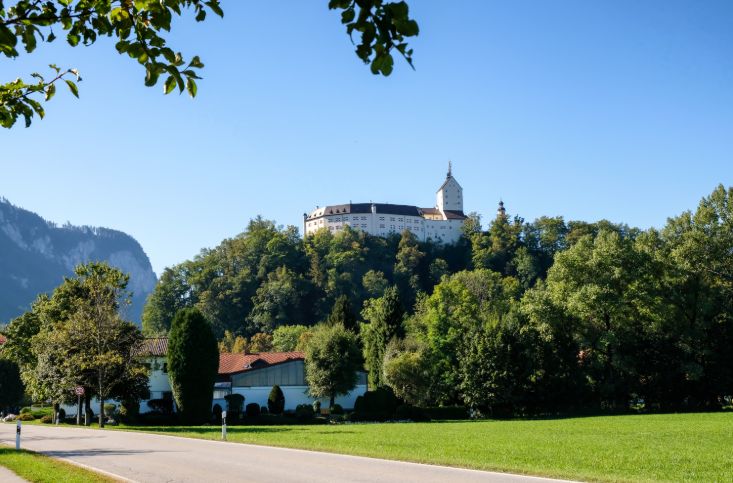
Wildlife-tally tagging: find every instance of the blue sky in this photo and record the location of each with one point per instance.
(620, 110)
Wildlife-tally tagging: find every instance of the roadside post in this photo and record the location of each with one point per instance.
(224, 425)
(17, 436)
(79, 391)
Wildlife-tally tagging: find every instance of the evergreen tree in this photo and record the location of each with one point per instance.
(385, 317)
(342, 313)
(276, 400)
(193, 362)
(11, 386)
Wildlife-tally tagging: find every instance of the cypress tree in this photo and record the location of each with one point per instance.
(193, 362)
(342, 313)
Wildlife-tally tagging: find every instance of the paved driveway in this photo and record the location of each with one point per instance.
(142, 457)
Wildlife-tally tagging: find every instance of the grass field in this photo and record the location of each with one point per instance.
(671, 447)
(42, 469)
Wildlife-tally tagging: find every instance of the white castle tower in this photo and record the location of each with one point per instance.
(450, 194)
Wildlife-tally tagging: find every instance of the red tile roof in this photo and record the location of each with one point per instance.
(232, 363)
(155, 346)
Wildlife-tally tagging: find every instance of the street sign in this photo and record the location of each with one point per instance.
(79, 391)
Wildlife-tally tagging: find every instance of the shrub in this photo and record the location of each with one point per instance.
(158, 419)
(40, 412)
(253, 410)
(235, 402)
(216, 413)
(378, 405)
(109, 409)
(47, 419)
(129, 410)
(304, 412)
(337, 409)
(264, 410)
(161, 406)
(412, 413)
(26, 417)
(62, 414)
(276, 400)
(316, 406)
(25, 410)
(447, 412)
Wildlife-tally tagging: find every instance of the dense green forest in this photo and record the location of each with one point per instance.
(517, 317)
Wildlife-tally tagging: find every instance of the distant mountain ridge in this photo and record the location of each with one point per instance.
(36, 254)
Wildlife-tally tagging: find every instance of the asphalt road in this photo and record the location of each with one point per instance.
(141, 457)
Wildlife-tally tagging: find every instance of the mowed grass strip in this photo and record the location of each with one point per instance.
(38, 468)
(667, 447)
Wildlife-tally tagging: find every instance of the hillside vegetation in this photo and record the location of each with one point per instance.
(520, 318)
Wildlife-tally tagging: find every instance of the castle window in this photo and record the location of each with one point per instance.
(363, 218)
(381, 218)
(381, 225)
(391, 218)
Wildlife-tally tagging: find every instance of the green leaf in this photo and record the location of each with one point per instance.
(50, 91)
(72, 87)
(191, 87)
(214, 6)
(170, 84)
(73, 39)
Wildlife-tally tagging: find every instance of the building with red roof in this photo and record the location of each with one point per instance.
(251, 375)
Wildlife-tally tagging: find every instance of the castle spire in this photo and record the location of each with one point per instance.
(450, 169)
(501, 211)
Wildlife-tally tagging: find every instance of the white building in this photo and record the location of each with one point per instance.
(253, 375)
(441, 223)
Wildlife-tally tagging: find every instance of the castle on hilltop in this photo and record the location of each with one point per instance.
(441, 223)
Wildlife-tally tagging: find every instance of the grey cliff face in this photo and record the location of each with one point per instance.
(35, 255)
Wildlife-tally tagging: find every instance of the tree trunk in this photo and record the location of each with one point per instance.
(332, 402)
(101, 412)
(87, 410)
(78, 410)
(55, 415)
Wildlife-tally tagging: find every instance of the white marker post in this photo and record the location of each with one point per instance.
(224, 425)
(17, 436)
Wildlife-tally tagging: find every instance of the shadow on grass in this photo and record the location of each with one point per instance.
(211, 429)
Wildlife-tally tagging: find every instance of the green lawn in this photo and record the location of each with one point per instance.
(42, 469)
(673, 447)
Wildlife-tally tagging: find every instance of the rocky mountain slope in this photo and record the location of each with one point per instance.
(36, 254)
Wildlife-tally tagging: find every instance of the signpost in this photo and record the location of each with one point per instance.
(79, 391)
(17, 436)
(224, 425)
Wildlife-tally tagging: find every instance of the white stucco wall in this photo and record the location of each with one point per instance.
(294, 395)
